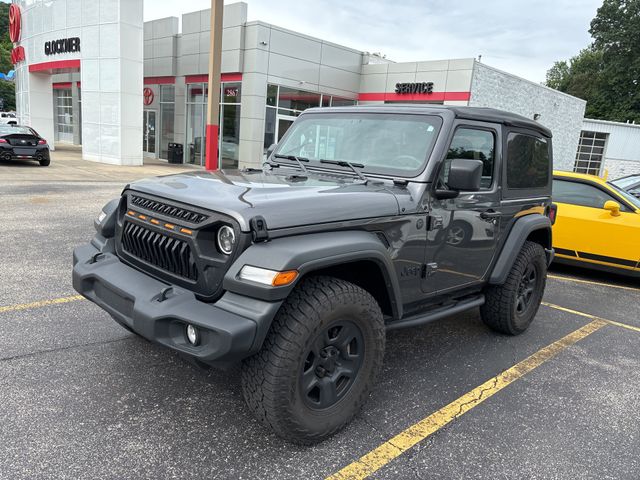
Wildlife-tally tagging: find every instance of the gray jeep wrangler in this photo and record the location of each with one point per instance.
(362, 220)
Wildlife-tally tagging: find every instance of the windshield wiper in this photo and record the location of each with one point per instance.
(299, 160)
(352, 166)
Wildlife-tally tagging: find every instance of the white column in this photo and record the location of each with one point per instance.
(41, 106)
(112, 82)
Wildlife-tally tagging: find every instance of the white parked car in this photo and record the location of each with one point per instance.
(8, 118)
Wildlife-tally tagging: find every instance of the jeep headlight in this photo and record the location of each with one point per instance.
(105, 223)
(226, 239)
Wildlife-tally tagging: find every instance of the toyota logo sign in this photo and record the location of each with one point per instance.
(148, 95)
(15, 23)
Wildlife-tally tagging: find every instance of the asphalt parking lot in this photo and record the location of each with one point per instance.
(83, 398)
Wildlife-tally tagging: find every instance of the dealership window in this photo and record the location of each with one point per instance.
(590, 152)
(167, 118)
(64, 115)
(528, 161)
(230, 96)
(284, 104)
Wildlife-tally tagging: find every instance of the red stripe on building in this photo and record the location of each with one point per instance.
(54, 66)
(225, 77)
(61, 85)
(159, 80)
(413, 97)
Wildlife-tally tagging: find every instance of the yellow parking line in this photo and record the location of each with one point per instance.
(591, 282)
(42, 303)
(393, 448)
(592, 317)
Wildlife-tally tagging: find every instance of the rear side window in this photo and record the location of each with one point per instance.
(528, 161)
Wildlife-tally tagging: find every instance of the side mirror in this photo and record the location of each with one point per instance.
(612, 207)
(270, 150)
(465, 175)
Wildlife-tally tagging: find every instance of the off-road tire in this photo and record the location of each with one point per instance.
(500, 310)
(271, 379)
(45, 163)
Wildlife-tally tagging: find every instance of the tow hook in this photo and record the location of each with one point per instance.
(95, 258)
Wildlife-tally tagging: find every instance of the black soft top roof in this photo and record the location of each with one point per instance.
(481, 114)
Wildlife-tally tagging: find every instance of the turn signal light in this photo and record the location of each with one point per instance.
(284, 278)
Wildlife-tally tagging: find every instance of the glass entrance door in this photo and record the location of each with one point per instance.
(284, 122)
(149, 133)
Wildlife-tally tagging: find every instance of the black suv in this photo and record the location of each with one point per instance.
(362, 220)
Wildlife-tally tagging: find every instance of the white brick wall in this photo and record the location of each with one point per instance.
(559, 112)
(620, 168)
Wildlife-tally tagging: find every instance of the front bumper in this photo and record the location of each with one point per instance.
(230, 329)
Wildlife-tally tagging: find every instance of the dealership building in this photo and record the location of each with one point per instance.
(94, 74)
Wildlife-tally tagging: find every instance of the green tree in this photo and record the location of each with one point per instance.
(8, 95)
(5, 42)
(607, 73)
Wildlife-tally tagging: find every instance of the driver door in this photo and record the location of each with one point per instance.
(462, 231)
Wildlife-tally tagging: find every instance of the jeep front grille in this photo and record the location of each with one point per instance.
(169, 210)
(165, 252)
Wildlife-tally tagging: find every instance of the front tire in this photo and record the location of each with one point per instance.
(319, 361)
(510, 308)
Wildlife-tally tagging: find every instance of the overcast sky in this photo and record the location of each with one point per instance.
(521, 37)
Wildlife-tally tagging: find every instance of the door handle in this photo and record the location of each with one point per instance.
(489, 214)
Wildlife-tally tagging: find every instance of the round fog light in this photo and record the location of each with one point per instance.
(192, 335)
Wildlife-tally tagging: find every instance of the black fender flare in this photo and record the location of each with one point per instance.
(518, 234)
(308, 253)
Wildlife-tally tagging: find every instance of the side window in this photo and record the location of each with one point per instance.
(472, 144)
(581, 194)
(527, 161)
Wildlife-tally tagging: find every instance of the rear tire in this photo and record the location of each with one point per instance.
(510, 308)
(319, 361)
(45, 163)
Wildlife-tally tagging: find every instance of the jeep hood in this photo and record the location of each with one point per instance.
(283, 200)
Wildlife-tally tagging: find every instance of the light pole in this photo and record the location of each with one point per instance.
(213, 98)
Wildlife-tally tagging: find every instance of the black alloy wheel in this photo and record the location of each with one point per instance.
(526, 288)
(332, 365)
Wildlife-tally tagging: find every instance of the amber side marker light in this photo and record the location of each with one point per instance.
(132, 213)
(142, 217)
(169, 226)
(186, 230)
(154, 221)
(284, 278)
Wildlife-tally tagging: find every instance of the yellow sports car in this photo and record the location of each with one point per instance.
(598, 224)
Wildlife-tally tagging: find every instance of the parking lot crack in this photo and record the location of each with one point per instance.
(60, 349)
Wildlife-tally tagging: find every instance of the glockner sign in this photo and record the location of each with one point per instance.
(64, 45)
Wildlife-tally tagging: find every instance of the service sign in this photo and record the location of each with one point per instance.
(415, 87)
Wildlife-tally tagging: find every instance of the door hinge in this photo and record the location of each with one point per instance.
(434, 222)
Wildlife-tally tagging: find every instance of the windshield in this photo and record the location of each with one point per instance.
(626, 195)
(381, 143)
(626, 181)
